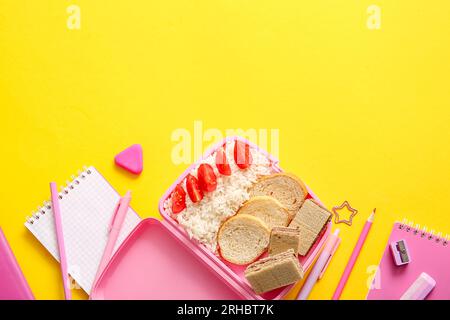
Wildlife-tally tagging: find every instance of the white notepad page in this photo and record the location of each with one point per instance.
(87, 206)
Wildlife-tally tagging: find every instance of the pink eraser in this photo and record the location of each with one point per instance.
(420, 288)
(400, 252)
(131, 159)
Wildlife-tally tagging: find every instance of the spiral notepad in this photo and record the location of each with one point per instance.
(430, 253)
(87, 205)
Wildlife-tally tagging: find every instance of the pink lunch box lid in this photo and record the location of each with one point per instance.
(158, 260)
(154, 263)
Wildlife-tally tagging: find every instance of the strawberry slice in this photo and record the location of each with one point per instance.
(207, 178)
(242, 155)
(222, 163)
(193, 189)
(178, 199)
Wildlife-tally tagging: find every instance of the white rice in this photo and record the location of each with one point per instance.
(202, 220)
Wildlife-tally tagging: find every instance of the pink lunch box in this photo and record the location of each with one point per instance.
(158, 260)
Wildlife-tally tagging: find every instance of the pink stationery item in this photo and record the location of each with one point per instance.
(420, 289)
(400, 252)
(181, 267)
(60, 238)
(430, 254)
(320, 265)
(335, 241)
(114, 229)
(13, 285)
(87, 205)
(354, 256)
(130, 159)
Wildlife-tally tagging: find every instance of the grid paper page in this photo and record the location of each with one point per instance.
(86, 211)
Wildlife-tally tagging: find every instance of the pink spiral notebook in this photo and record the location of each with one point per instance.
(429, 252)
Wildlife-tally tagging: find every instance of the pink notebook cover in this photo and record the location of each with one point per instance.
(429, 253)
(13, 285)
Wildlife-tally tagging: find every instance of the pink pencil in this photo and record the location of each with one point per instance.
(354, 256)
(60, 238)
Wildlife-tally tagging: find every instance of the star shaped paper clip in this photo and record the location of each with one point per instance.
(349, 208)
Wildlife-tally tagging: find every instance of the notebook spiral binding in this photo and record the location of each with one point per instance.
(423, 232)
(64, 190)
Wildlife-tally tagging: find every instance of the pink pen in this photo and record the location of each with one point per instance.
(354, 256)
(322, 263)
(60, 239)
(114, 229)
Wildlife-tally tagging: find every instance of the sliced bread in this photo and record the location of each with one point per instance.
(310, 221)
(274, 272)
(242, 239)
(268, 209)
(286, 188)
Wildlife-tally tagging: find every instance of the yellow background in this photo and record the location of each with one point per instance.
(363, 114)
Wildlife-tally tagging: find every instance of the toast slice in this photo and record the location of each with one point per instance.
(282, 239)
(274, 272)
(286, 188)
(310, 221)
(242, 239)
(268, 209)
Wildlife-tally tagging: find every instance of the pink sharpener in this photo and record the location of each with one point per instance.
(158, 260)
(400, 252)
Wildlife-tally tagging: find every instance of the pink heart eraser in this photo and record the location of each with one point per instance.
(130, 159)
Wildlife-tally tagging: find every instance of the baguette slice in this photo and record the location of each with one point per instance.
(286, 188)
(242, 239)
(310, 221)
(274, 272)
(282, 239)
(268, 209)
